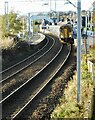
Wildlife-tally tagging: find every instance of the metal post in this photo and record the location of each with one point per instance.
(86, 24)
(55, 5)
(50, 5)
(6, 16)
(85, 38)
(78, 49)
(85, 46)
(88, 17)
(50, 9)
(91, 15)
(57, 16)
(29, 26)
(33, 26)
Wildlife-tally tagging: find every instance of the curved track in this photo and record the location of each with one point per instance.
(13, 86)
(24, 94)
(9, 72)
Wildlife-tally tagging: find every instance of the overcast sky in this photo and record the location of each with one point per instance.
(26, 6)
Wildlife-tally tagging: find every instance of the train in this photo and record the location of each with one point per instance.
(66, 34)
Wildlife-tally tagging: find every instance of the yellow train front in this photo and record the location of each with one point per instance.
(66, 34)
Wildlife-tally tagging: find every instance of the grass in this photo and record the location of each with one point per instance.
(6, 43)
(68, 106)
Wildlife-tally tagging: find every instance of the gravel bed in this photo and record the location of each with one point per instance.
(42, 107)
(18, 52)
(23, 76)
(26, 94)
(49, 102)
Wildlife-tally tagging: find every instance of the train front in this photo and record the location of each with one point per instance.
(66, 34)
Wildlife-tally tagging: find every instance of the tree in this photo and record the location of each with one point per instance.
(14, 24)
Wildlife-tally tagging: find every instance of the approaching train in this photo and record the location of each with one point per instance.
(66, 34)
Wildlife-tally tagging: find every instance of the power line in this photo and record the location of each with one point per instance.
(31, 0)
(17, 1)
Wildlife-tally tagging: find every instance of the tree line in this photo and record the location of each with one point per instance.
(11, 24)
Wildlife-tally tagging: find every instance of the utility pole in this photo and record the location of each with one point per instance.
(29, 26)
(6, 15)
(50, 5)
(78, 46)
(50, 9)
(55, 5)
(78, 49)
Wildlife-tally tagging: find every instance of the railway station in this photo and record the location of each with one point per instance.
(47, 59)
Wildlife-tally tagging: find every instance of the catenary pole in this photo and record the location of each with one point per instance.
(78, 49)
(50, 5)
(55, 5)
(6, 16)
(29, 24)
(50, 9)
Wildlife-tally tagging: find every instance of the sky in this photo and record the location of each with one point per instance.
(26, 6)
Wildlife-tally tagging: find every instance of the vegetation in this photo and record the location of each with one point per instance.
(4, 42)
(68, 106)
(11, 24)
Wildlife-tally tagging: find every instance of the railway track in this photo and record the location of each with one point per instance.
(22, 96)
(9, 72)
(15, 75)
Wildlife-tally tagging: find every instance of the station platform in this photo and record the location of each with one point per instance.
(36, 39)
